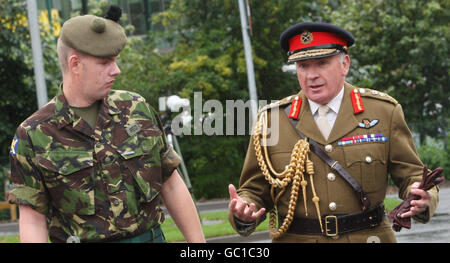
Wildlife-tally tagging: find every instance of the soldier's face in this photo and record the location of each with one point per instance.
(321, 79)
(98, 75)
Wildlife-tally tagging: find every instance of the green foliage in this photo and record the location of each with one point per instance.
(202, 51)
(219, 226)
(18, 92)
(212, 167)
(433, 155)
(402, 48)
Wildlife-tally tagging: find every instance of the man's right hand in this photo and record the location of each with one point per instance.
(240, 209)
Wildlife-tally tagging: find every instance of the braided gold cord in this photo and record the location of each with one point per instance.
(315, 199)
(293, 173)
(264, 139)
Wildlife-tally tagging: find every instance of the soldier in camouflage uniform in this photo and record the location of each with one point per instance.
(93, 164)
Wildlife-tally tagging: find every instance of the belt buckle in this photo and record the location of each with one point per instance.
(327, 223)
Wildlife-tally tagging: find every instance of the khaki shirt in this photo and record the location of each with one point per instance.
(369, 163)
(93, 184)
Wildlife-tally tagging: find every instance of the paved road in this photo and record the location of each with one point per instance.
(436, 231)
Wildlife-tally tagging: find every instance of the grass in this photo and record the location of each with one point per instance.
(10, 239)
(220, 227)
(214, 224)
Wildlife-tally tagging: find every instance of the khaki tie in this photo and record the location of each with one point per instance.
(322, 122)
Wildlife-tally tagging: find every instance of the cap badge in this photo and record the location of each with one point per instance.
(306, 37)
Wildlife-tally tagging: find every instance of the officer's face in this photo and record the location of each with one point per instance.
(98, 75)
(321, 79)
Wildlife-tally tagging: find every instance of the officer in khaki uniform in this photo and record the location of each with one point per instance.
(93, 164)
(362, 131)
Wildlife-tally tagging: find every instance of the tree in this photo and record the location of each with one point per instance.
(17, 89)
(18, 92)
(205, 54)
(402, 48)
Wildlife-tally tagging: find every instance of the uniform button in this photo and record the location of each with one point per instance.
(328, 148)
(373, 239)
(116, 202)
(368, 159)
(332, 206)
(331, 177)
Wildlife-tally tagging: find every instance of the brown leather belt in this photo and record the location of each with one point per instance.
(334, 225)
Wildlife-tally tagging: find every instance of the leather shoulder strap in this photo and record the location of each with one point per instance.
(335, 165)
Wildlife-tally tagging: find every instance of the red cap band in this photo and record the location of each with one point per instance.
(318, 38)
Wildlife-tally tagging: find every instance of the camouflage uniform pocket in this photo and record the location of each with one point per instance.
(141, 156)
(68, 176)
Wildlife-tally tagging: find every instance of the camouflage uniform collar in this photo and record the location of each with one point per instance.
(64, 115)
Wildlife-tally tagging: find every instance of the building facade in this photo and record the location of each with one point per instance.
(138, 12)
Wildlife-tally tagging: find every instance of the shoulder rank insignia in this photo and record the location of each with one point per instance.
(377, 95)
(367, 124)
(295, 107)
(358, 106)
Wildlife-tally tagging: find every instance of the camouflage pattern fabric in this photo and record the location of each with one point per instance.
(96, 185)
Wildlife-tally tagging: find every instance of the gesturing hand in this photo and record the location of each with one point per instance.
(240, 209)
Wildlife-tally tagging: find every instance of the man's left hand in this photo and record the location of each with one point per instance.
(420, 205)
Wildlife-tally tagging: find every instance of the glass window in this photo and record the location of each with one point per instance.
(137, 16)
(139, 12)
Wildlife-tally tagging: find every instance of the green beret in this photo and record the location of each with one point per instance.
(93, 35)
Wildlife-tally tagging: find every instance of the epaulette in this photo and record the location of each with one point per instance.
(279, 103)
(377, 95)
(124, 95)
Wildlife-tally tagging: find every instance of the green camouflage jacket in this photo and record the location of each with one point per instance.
(95, 185)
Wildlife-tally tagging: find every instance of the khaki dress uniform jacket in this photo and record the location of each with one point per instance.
(369, 163)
